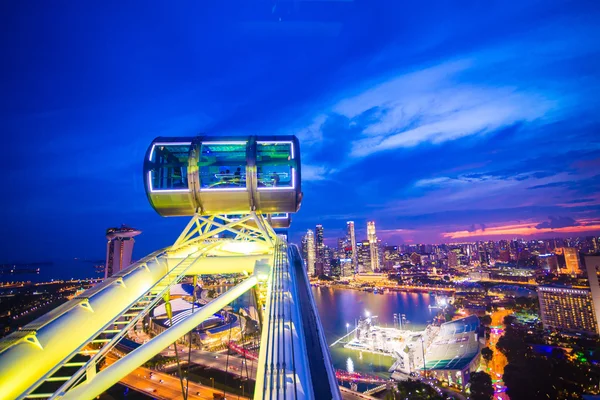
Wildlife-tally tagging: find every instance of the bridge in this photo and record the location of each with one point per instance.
(237, 190)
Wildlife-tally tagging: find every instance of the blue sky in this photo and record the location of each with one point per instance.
(439, 121)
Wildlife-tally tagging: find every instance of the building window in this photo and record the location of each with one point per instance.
(222, 166)
(275, 165)
(169, 167)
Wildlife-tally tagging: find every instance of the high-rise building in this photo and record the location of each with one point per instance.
(373, 245)
(308, 244)
(484, 256)
(327, 256)
(346, 267)
(567, 309)
(504, 256)
(548, 262)
(304, 250)
(363, 250)
(391, 257)
(319, 243)
(319, 250)
(592, 266)
(572, 261)
(352, 240)
(452, 259)
(415, 259)
(119, 249)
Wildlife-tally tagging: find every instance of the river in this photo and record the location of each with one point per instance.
(338, 307)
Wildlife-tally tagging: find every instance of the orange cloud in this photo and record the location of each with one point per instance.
(585, 225)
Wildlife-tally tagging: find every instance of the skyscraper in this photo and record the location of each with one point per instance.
(119, 249)
(319, 250)
(452, 259)
(592, 266)
(309, 239)
(567, 309)
(364, 256)
(346, 267)
(373, 246)
(327, 258)
(352, 240)
(572, 261)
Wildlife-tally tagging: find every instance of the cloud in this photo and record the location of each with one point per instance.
(449, 115)
(527, 229)
(475, 228)
(312, 134)
(315, 172)
(557, 222)
(437, 104)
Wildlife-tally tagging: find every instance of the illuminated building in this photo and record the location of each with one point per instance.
(479, 276)
(391, 257)
(351, 236)
(363, 250)
(572, 261)
(567, 309)
(327, 261)
(548, 262)
(415, 259)
(319, 244)
(119, 249)
(346, 267)
(484, 257)
(308, 247)
(452, 259)
(373, 245)
(592, 266)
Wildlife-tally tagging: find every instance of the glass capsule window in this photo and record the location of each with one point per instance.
(279, 216)
(169, 166)
(222, 166)
(275, 165)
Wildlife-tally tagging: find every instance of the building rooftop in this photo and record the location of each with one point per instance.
(455, 346)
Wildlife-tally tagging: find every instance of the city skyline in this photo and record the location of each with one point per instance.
(484, 127)
(301, 199)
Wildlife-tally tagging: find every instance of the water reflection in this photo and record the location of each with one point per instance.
(349, 365)
(345, 306)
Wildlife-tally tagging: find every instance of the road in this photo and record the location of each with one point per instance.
(348, 394)
(235, 365)
(170, 388)
(498, 362)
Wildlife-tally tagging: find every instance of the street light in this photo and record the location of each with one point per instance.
(367, 313)
(347, 326)
(213, 382)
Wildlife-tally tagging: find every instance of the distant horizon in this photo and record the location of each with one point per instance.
(329, 241)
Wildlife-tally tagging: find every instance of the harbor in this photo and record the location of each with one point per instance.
(400, 336)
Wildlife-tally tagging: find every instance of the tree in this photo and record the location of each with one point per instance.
(487, 354)
(512, 345)
(530, 378)
(481, 386)
(509, 320)
(416, 390)
(486, 320)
